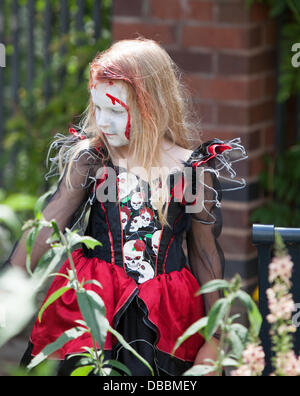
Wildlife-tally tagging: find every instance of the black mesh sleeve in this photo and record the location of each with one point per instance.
(65, 205)
(206, 258)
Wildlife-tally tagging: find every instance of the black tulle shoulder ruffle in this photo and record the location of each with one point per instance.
(211, 165)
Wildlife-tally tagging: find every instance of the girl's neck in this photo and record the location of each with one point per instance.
(123, 153)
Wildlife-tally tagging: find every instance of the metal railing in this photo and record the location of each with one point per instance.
(263, 237)
(26, 30)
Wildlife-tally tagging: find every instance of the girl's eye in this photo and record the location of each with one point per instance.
(116, 111)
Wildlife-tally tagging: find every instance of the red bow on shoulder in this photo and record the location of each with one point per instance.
(213, 150)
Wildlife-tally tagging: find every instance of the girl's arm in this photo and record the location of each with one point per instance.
(61, 207)
(205, 256)
(208, 351)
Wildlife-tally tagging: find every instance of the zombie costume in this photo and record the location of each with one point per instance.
(149, 282)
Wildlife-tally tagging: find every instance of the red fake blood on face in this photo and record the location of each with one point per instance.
(114, 100)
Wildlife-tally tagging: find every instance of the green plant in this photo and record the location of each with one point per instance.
(13, 210)
(289, 76)
(234, 336)
(20, 304)
(280, 181)
(281, 307)
(240, 347)
(30, 123)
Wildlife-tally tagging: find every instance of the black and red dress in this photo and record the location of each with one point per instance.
(149, 283)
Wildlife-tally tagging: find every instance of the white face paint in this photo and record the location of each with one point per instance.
(111, 111)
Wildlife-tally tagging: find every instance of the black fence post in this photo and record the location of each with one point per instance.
(263, 237)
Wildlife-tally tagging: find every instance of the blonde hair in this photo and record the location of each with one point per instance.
(158, 104)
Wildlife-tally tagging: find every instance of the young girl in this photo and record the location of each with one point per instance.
(131, 164)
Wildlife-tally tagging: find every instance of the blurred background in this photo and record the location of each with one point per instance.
(239, 60)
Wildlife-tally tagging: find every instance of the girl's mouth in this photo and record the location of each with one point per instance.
(107, 134)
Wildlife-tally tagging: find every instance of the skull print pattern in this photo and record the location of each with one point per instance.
(141, 228)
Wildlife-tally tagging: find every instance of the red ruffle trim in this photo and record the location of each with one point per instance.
(169, 298)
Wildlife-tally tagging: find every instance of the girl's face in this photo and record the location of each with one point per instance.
(111, 111)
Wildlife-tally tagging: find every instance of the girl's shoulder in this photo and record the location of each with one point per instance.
(175, 155)
(215, 150)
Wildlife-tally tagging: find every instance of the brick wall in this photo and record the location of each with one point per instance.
(227, 54)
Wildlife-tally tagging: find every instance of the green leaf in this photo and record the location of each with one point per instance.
(193, 329)
(119, 365)
(20, 202)
(56, 230)
(236, 344)
(216, 315)
(241, 331)
(50, 300)
(9, 218)
(67, 336)
(90, 243)
(199, 370)
(82, 371)
(212, 286)
(30, 239)
(48, 262)
(74, 239)
(254, 315)
(40, 204)
(93, 282)
(114, 373)
(277, 8)
(229, 362)
(92, 309)
(129, 348)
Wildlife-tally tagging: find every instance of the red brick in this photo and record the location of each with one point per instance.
(127, 8)
(269, 136)
(200, 11)
(259, 12)
(204, 112)
(256, 165)
(233, 244)
(219, 88)
(221, 37)
(270, 85)
(233, 115)
(257, 88)
(162, 33)
(236, 218)
(200, 62)
(233, 12)
(252, 167)
(270, 33)
(238, 12)
(209, 133)
(251, 140)
(229, 114)
(242, 64)
(178, 10)
(262, 112)
(166, 9)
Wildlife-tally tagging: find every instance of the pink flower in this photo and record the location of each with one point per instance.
(253, 362)
(288, 364)
(279, 308)
(281, 267)
(243, 371)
